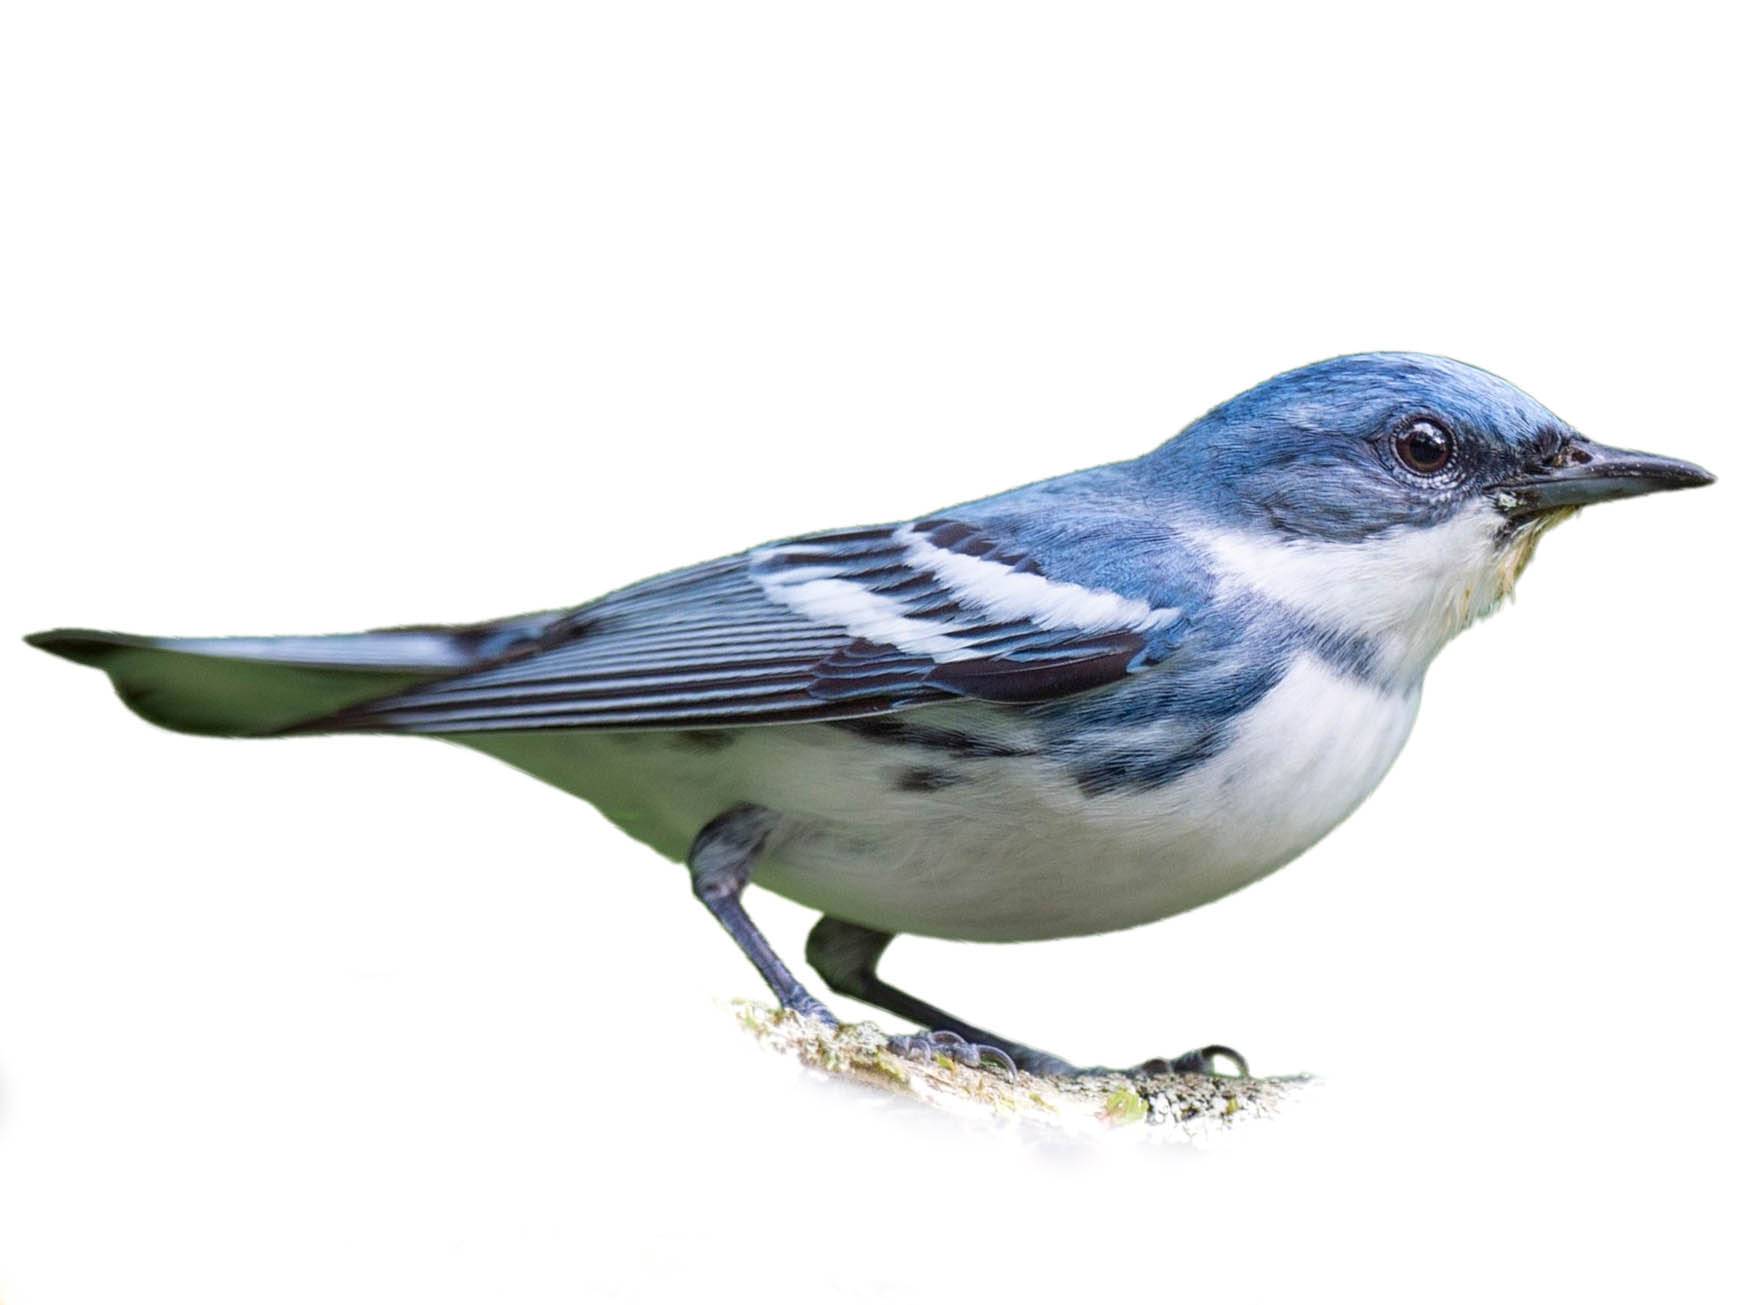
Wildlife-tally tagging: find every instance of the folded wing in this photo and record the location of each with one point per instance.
(830, 626)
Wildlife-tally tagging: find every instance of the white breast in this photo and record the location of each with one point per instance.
(1300, 762)
(1014, 849)
(1024, 854)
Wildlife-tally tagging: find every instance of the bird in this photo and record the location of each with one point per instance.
(1082, 705)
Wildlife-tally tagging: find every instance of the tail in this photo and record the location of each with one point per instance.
(250, 687)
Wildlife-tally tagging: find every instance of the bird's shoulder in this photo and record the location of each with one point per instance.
(1112, 528)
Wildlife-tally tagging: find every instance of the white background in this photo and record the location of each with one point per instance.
(326, 316)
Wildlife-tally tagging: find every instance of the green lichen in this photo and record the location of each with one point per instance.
(887, 1065)
(1125, 1106)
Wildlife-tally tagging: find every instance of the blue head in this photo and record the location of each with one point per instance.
(1394, 496)
(1350, 448)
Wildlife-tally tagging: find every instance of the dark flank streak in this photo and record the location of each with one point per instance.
(706, 740)
(899, 733)
(1126, 771)
(920, 779)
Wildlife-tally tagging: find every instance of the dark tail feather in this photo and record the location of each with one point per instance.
(265, 686)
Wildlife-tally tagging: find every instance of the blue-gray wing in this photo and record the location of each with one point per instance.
(826, 627)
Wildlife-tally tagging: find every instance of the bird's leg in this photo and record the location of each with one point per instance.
(846, 955)
(719, 863)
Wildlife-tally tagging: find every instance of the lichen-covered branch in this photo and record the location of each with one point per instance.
(1166, 1106)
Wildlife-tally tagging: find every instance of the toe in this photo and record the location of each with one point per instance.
(910, 1046)
(1218, 1052)
(943, 1042)
(1200, 1061)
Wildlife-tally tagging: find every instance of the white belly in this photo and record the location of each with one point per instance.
(1013, 850)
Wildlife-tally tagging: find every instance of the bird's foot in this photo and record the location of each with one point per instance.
(942, 1043)
(1201, 1061)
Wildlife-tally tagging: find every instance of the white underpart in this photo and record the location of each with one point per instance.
(1019, 852)
(995, 589)
(1013, 849)
(1407, 591)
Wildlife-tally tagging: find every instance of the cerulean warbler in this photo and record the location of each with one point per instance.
(1077, 706)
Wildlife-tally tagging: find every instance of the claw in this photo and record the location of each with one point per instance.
(1209, 1053)
(946, 1042)
(1200, 1061)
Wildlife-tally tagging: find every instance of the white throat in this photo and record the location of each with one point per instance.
(1407, 592)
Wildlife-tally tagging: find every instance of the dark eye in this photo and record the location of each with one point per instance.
(1425, 447)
